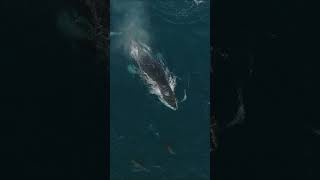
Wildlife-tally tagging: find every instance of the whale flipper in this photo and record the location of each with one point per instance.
(132, 69)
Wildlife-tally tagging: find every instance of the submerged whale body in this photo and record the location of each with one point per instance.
(155, 74)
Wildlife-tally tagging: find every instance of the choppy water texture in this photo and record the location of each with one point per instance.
(148, 139)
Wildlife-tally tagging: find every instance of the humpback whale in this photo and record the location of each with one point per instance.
(155, 73)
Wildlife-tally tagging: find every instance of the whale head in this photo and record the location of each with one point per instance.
(169, 97)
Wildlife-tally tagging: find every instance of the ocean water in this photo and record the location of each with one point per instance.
(148, 139)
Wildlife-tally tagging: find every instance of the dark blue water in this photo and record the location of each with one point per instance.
(166, 144)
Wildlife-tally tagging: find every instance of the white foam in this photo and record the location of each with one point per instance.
(172, 81)
(184, 97)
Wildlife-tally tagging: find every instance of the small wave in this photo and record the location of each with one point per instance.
(115, 33)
